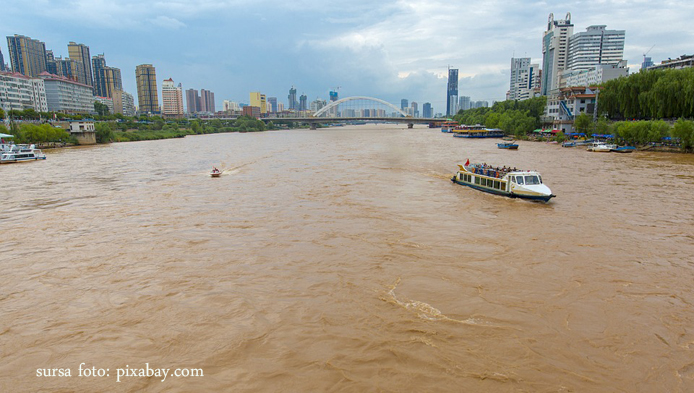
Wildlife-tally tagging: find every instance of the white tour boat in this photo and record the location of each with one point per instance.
(504, 181)
(18, 153)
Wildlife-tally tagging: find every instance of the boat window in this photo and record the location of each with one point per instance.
(496, 184)
(519, 179)
(477, 180)
(532, 180)
(540, 177)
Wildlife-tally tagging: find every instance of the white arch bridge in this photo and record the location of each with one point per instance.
(354, 108)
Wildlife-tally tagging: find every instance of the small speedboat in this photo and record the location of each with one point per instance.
(568, 144)
(507, 145)
(216, 173)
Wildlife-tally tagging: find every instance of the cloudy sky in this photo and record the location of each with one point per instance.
(389, 49)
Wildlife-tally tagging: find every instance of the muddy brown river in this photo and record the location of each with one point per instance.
(344, 260)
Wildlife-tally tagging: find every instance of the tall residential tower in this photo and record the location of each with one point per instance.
(555, 50)
(27, 56)
(80, 54)
(452, 92)
(147, 97)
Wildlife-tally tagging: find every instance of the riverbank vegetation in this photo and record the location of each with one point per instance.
(30, 126)
(513, 117)
(40, 134)
(649, 94)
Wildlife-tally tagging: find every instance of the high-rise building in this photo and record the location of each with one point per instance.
(106, 79)
(272, 104)
(280, 107)
(192, 101)
(51, 65)
(303, 102)
(317, 105)
(260, 100)
(123, 103)
(27, 56)
(555, 51)
(147, 96)
(67, 68)
(171, 98)
(595, 46)
(403, 104)
(293, 105)
(647, 62)
(207, 101)
(524, 79)
(333, 95)
(464, 103)
(2, 62)
(427, 110)
(415, 109)
(452, 92)
(80, 54)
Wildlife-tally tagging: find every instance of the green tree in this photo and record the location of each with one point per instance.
(101, 109)
(2, 114)
(195, 126)
(104, 133)
(684, 130)
(583, 123)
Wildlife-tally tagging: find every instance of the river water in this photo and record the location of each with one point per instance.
(345, 260)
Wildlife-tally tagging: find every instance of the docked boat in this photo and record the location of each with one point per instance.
(492, 133)
(624, 149)
(568, 144)
(17, 153)
(602, 147)
(507, 145)
(215, 172)
(504, 181)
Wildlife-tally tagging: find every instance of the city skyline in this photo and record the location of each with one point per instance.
(397, 50)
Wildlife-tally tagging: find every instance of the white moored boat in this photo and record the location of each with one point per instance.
(602, 147)
(18, 153)
(504, 181)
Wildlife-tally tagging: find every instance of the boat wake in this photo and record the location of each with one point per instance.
(235, 169)
(430, 313)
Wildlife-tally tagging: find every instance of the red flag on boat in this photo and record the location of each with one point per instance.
(467, 162)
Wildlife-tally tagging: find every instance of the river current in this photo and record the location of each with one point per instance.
(345, 260)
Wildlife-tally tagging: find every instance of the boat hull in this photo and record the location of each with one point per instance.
(541, 198)
(507, 146)
(10, 161)
(624, 149)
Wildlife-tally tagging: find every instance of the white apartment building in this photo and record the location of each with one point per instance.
(19, 92)
(67, 96)
(594, 46)
(525, 79)
(595, 75)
